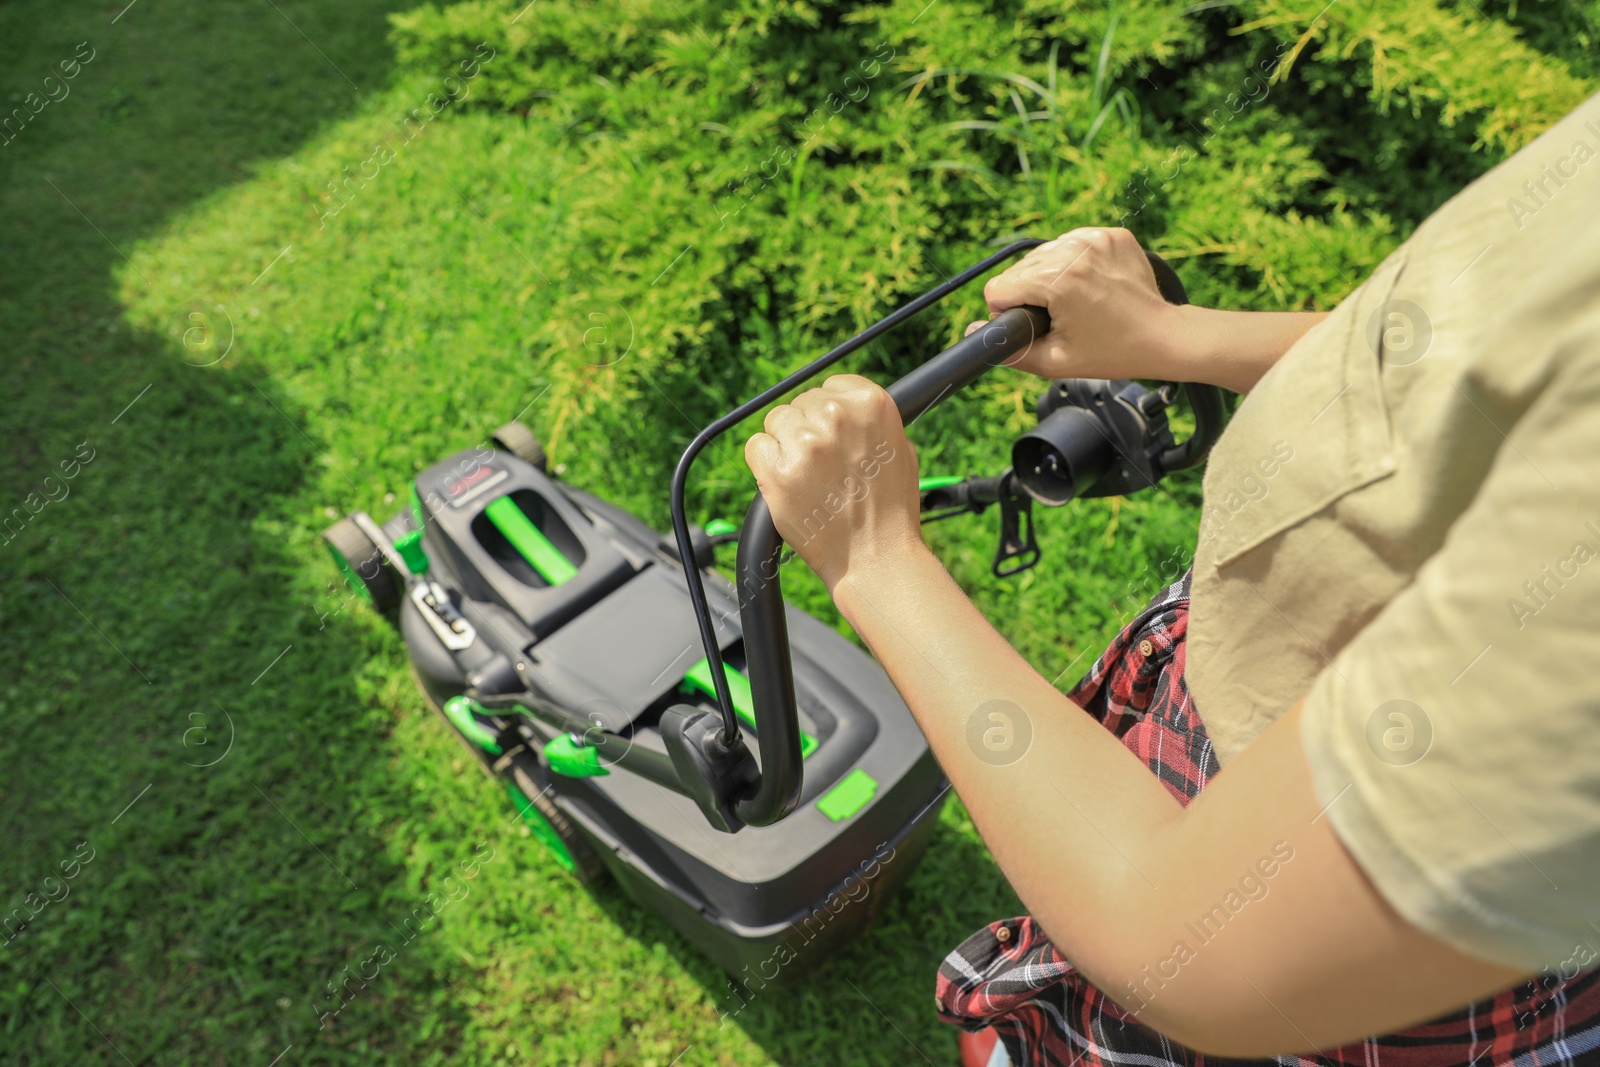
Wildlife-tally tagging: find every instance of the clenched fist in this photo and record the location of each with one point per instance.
(840, 476)
(1107, 319)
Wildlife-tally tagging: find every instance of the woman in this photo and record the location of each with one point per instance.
(1384, 653)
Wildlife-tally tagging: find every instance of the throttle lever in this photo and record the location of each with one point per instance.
(1017, 541)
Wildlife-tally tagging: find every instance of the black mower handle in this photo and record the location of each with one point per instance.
(761, 610)
(776, 791)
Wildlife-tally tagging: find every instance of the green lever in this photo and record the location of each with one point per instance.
(566, 756)
(525, 537)
(699, 679)
(459, 711)
(410, 549)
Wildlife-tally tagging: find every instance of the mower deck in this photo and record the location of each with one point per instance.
(578, 614)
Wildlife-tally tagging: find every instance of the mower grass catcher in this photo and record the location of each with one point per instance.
(606, 676)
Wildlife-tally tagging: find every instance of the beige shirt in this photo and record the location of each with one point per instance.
(1402, 526)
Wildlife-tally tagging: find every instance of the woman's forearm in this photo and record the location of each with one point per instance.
(1022, 757)
(1128, 884)
(1234, 349)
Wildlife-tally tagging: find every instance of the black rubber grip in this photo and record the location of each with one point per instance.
(1005, 337)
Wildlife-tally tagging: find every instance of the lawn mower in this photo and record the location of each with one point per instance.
(607, 675)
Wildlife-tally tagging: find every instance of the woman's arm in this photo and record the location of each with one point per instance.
(1107, 319)
(1126, 883)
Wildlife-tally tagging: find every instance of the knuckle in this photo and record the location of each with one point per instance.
(855, 386)
(755, 453)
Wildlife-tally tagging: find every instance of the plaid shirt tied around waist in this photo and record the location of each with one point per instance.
(1010, 977)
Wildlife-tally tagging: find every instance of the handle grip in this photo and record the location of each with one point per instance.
(1007, 334)
(761, 611)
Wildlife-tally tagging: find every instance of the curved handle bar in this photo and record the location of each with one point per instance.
(761, 608)
(766, 631)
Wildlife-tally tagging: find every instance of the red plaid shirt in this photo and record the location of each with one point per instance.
(1045, 1012)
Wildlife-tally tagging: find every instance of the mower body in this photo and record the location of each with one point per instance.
(601, 635)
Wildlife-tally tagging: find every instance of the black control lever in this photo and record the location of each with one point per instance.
(1018, 549)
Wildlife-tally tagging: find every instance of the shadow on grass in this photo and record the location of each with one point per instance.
(189, 748)
(205, 814)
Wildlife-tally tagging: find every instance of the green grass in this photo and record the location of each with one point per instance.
(179, 587)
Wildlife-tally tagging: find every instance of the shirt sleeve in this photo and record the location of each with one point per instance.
(1456, 739)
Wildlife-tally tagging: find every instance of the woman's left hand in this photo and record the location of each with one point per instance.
(840, 476)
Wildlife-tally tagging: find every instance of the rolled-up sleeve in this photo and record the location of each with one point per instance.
(1456, 739)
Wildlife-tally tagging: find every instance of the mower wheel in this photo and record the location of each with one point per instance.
(517, 439)
(364, 567)
(572, 850)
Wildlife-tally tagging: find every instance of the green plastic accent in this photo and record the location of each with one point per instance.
(542, 830)
(525, 537)
(568, 757)
(459, 711)
(416, 506)
(937, 482)
(350, 576)
(699, 679)
(718, 527)
(410, 549)
(849, 796)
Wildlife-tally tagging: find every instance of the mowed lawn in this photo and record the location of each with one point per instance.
(221, 789)
(222, 792)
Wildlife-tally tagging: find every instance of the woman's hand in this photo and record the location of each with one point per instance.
(840, 477)
(1107, 318)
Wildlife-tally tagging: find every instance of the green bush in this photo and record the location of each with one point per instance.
(751, 182)
(813, 163)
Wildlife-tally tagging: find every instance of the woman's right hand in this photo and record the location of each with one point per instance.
(1107, 318)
